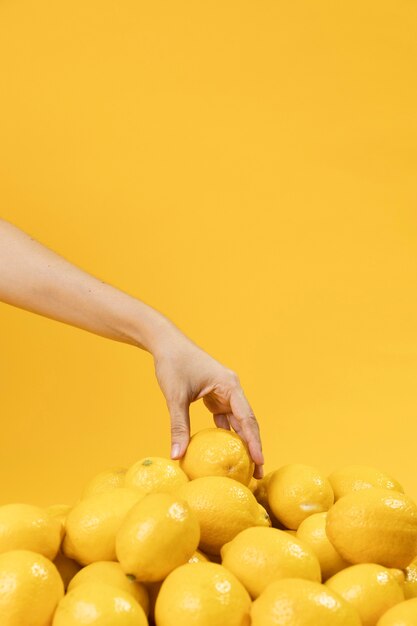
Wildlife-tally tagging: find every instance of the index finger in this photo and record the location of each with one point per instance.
(242, 411)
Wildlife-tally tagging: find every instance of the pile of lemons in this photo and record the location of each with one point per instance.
(202, 543)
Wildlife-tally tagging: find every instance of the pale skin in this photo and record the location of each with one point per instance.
(35, 278)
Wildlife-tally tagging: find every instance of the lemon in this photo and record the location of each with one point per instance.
(410, 583)
(30, 589)
(59, 512)
(198, 557)
(223, 507)
(399, 575)
(356, 477)
(218, 452)
(160, 533)
(155, 474)
(111, 573)
(29, 527)
(402, 614)
(374, 526)
(66, 567)
(112, 478)
(261, 494)
(99, 604)
(297, 602)
(312, 531)
(370, 588)
(258, 556)
(206, 594)
(296, 491)
(92, 524)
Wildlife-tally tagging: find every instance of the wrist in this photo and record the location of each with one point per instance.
(150, 330)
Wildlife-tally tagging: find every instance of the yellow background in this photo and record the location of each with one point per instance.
(248, 168)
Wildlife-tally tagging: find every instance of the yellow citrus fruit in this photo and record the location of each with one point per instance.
(92, 524)
(357, 477)
(402, 614)
(99, 604)
(223, 507)
(30, 589)
(111, 573)
(160, 533)
(410, 583)
(206, 594)
(112, 478)
(59, 512)
(374, 526)
(66, 567)
(312, 531)
(253, 484)
(218, 452)
(258, 556)
(261, 494)
(370, 588)
(29, 527)
(399, 575)
(298, 602)
(155, 474)
(296, 491)
(198, 557)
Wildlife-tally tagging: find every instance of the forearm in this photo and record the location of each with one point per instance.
(37, 279)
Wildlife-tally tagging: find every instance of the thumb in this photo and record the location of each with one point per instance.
(180, 428)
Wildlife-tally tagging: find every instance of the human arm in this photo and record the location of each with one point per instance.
(35, 278)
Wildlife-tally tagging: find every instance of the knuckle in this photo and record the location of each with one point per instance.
(234, 378)
(179, 430)
(177, 400)
(250, 417)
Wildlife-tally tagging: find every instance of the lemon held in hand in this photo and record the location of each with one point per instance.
(218, 452)
(160, 533)
(30, 589)
(374, 526)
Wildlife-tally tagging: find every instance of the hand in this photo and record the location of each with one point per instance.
(186, 373)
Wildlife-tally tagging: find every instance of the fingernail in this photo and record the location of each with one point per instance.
(175, 450)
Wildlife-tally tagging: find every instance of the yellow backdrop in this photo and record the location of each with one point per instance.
(249, 169)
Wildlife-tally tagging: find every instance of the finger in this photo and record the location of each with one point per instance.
(258, 472)
(248, 423)
(258, 469)
(180, 428)
(221, 421)
(234, 422)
